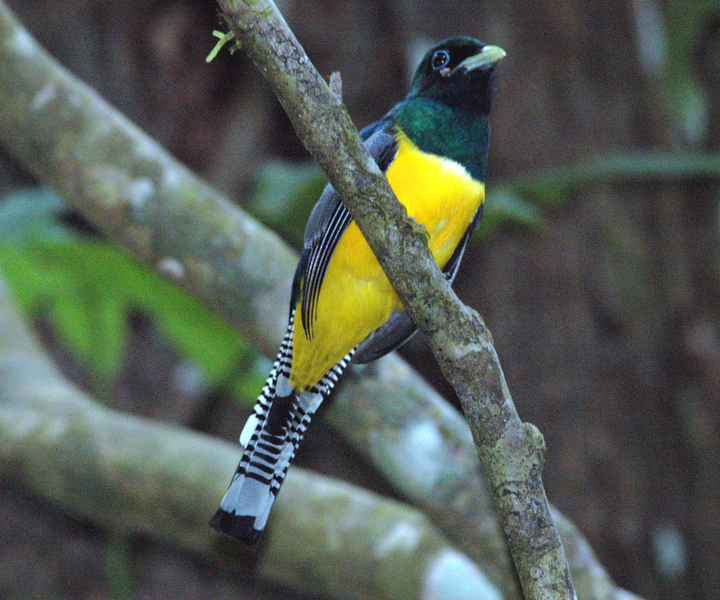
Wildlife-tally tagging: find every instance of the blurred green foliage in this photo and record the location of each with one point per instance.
(691, 29)
(553, 187)
(286, 193)
(88, 287)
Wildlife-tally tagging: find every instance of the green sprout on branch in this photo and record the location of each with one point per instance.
(223, 38)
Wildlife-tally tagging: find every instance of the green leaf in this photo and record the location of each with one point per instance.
(285, 195)
(503, 206)
(88, 287)
(551, 187)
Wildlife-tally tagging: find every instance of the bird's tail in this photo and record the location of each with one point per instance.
(270, 437)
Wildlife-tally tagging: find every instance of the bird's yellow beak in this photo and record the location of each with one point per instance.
(489, 55)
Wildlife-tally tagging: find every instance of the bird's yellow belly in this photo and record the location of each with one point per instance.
(356, 297)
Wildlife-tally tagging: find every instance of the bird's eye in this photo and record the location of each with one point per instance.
(440, 59)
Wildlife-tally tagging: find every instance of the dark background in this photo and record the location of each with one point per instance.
(606, 318)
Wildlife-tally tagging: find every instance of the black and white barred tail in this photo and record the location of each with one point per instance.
(270, 437)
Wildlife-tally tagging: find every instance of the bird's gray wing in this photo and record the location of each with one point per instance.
(327, 222)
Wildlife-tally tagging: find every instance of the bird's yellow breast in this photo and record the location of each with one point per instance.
(356, 297)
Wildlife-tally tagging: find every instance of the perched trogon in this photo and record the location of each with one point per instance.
(432, 146)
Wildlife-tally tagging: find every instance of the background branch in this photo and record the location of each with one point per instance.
(138, 477)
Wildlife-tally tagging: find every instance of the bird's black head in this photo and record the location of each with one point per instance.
(458, 73)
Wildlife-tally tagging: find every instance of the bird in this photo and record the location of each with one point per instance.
(432, 146)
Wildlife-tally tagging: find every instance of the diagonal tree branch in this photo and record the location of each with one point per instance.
(510, 451)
